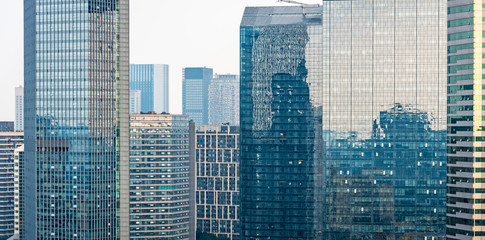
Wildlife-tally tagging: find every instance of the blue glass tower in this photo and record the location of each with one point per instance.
(153, 82)
(195, 94)
(384, 119)
(76, 121)
(281, 131)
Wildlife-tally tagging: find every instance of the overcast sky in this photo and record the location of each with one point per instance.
(181, 33)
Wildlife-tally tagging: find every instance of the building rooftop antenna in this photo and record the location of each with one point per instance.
(304, 6)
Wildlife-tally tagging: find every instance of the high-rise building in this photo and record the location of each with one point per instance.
(135, 101)
(76, 64)
(281, 117)
(384, 119)
(19, 198)
(153, 82)
(7, 126)
(19, 109)
(466, 139)
(8, 142)
(216, 165)
(195, 94)
(224, 99)
(159, 177)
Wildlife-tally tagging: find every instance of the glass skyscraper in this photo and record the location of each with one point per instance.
(466, 136)
(153, 82)
(76, 124)
(195, 93)
(224, 99)
(384, 119)
(358, 87)
(281, 123)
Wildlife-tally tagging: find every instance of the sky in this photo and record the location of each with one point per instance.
(181, 33)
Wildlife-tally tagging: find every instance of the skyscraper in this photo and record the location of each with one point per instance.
(153, 82)
(281, 117)
(195, 94)
(19, 185)
(384, 119)
(224, 99)
(159, 173)
(9, 141)
(466, 139)
(216, 164)
(135, 101)
(19, 109)
(76, 123)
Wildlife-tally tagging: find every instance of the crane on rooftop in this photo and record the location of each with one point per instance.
(303, 5)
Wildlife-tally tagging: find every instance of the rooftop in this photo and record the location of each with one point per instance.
(281, 15)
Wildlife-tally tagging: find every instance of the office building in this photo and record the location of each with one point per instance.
(8, 142)
(76, 68)
(384, 119)
(19, 210)
(281, 117)
(159, 177)
(135, 101)
(195, 94)
(466, 139)
(153, 82)
(217, 179)
(224, 99)
(6, 126)
(19, 109)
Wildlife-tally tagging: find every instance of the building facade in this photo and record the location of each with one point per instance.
(159, 177)
(19, 185)
(76, 63)
(281, 117)
(153, 82)
(195, 94)
(9, 141)
(466, 139)
(224, 99)
(19, 109)
(135, 101)
(7, 126)
(384, 119)
(217, 180)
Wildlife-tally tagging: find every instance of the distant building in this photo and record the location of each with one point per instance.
(19, 109)
(195, 94)
(7, 126)
(224, 99)
(217, 179)
(9, 141)
(153, 82)
(159, 177)
(19, 191)
(135, 101)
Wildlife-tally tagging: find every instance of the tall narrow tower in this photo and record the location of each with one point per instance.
(281, 131)
(466, 136)
(195, 93)
(19, 109)
(76, 126)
